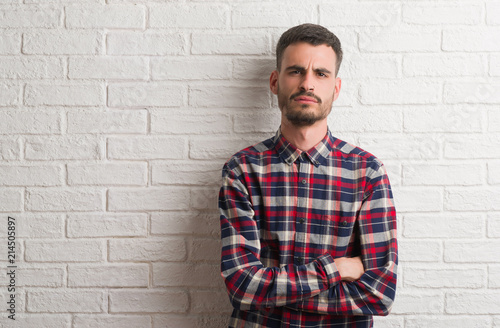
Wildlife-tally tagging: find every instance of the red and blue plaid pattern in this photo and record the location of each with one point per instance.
(286, 214)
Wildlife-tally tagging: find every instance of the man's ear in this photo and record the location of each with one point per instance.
(273, 82)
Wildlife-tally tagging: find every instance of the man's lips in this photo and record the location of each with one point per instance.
(304, 99)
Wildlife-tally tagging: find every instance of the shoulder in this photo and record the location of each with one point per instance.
(252, 155)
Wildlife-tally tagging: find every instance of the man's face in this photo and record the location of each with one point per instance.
(306, 84)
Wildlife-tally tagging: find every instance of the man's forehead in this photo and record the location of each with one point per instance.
(300, 52)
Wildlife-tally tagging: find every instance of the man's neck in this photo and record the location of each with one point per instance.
(305, 137)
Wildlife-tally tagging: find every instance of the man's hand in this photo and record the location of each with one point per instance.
(350, 268)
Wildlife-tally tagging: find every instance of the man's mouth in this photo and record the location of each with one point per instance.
(305, 100)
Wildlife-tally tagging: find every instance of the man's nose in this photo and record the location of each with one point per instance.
(307, 82)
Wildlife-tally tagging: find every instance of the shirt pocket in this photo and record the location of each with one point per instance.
(338, 231)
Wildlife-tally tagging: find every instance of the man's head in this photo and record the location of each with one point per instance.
(305, 80)
(309, 33)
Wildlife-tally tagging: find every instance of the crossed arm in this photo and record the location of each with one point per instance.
(342, 286)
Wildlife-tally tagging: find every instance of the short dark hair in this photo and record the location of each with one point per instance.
(310, 33)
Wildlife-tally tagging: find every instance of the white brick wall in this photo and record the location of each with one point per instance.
(117, 115)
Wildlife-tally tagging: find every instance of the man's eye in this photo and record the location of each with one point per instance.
(322, 74)
(294, 72)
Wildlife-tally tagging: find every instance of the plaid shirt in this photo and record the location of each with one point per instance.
(286, 214)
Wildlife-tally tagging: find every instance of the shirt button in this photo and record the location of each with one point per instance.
(304, 181)
(300, 260)
(302, 220)
(344, 223)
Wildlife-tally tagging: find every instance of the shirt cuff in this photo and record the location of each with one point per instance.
(332, 274)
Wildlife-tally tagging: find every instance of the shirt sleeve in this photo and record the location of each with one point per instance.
(374, 292)
(250, 285)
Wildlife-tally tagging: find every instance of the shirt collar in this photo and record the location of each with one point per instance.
(316, 155)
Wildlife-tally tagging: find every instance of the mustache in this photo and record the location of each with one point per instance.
(307, 94)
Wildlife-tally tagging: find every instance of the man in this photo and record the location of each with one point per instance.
(307, 221)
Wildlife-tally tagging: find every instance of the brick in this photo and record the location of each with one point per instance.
(388, 321)
(439, 174)
(230, 96)
(422, 250)
(109, 122)
(11, 199)
(190, 68)
(24, 175)
(109, 68)
(205, 249)
(437, 225)
(37, 225)
(63, 147)
(493, 274)
(145, 43)
(61, 301)
(31, 68)
(455, 118)
(130, 275)
(146, 250)
(442, 13)
(447, 321)
(149, 147)
(173, 16)
(111, 321)
(186, 173)
(10, 43)
(10, 148)
(494, 65)
(148, 301)
(26, 17)
(206, 122)
(443, 65)
(472, 251)
(253, 68)
(472, 39)
(194, 321)
(358, 66)
(198, 223)
(107, 225)
(418, 303)
(219, 147)
(366, 120)
(402, 146)
(230, 44)
(202, 301)
(472, 199)
(360, 14)
(64, 199)
(257, 121)
(26, 122)
(471, 93)
(30, 320)
(186, 275)
(493, 13)
(108, 174)
(40, 277)
(64, 94)
(493, 120)
(62, 42)
(146, 94)
(480, 302)
(493, 225)
(106, 16)
(9, 95)
(64, 251)
(399, 92)
(148, 199)
(444, 277)
(204, 199)
(472, 146)
(264, 15)
(418, 199)
(400, 39)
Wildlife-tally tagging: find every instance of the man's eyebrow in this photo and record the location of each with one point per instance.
(302, 68)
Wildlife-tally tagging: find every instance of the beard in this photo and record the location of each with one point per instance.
(304, 114)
